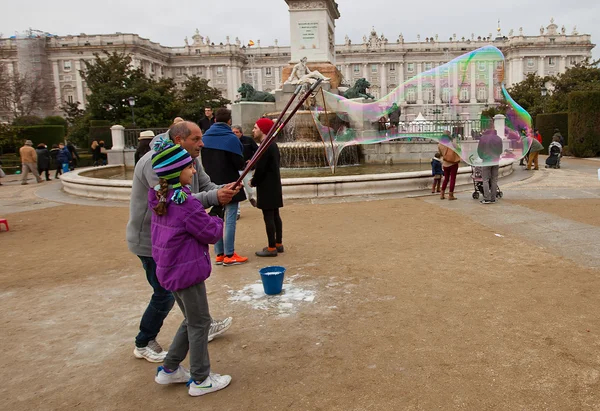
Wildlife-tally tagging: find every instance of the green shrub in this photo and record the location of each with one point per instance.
(40, 134)
(27, 121)
(584, 123)
(546, 123)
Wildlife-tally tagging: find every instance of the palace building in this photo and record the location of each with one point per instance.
(384, 63)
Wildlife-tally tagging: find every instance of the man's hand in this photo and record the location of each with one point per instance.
(226, 193)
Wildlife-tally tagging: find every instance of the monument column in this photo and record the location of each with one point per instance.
(277, 79)
(348, 74)
(438, 88)
(491, 98)
(383, 81)
(401, 81)
(366, 71)
(79, 83)
(312, 35)
(208, 74)
(456, 90)
(230, 85)
(520, 70)
(419, 84)
(56, 83)
(473, 96)
(542, 66)
(562, 65)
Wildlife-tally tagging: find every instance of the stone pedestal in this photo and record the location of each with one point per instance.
(245, 113)
(326, 69)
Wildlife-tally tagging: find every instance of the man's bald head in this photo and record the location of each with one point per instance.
(188, 135)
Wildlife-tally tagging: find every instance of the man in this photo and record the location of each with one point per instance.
(208, 119)
(189, 136)
(534, 152)
(267, 180)
(250, 147)
(222, 159)
(29, 162)
(489, 150)
(394, 116)
(74, 156)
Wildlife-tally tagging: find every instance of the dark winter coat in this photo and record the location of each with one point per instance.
(142, 148)
(250, 147)
(222, 156)
(490, 147)
(43, 158)
(205, 123)
(267, 180)
(63, 156)
(436, 167)
(395, 115)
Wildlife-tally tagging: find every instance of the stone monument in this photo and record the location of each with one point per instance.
(312, 35)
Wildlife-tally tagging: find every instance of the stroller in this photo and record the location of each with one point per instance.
(553, 160)
(477, 176)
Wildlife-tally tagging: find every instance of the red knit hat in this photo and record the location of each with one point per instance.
(265, 125)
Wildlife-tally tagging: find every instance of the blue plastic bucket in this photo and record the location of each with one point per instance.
(65, 167)
(272, 279)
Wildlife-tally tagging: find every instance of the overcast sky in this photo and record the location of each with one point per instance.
(169, 23)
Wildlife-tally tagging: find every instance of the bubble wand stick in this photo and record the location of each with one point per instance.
(277, 127)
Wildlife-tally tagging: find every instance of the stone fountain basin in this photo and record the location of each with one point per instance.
(76, 183)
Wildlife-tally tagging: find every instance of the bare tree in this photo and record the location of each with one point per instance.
(28, 94)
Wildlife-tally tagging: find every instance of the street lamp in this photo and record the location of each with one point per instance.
(544, 92)
(132, 104)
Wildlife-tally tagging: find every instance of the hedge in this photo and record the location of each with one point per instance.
(48, 135)
(546, 123)
(584, 123)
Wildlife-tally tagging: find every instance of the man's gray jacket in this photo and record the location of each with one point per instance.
(140, 215)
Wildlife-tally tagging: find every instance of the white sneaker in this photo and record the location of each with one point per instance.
(214, 382)
(219, 327)
(153, 352)
(180, 375)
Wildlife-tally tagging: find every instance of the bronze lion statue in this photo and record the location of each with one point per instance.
(249, 94)
(359, 90)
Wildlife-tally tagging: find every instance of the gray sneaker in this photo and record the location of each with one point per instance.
(153, 352)
(219, 327)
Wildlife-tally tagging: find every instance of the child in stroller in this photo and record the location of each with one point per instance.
(554, 153)
(478, 183)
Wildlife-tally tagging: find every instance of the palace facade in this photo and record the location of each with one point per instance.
(384, 63)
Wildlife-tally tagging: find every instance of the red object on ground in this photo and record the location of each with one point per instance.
(3, 221)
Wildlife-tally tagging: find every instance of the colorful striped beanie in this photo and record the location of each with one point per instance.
(168, 162)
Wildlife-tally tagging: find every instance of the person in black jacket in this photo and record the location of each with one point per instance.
(267, 180)
(208, 120)
(43, 160)
(143, 145)
(250, 147)
(222, 159)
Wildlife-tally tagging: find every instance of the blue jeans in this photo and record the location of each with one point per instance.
(160, 304)
(229, 231)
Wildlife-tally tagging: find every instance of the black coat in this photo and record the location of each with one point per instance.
(142, 148)
(267, 180)
(250, 147)
(205, 123)
(43, 158)
(223, 168)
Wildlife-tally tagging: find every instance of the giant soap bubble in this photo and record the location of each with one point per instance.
(342, 122)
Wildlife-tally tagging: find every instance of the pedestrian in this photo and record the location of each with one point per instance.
(63, 157)
(222, 158)
(269, 197)
(394, 116)
(54, 156)
(534, 152)
(450, 161)
(29, 162)
(250, 147)
(95, 149)
(2, 173)
(437, 172)
(74, 156)
(489, 150)
(103, 155)
(143, 144)
(181, 231)
(188, 136)
(43, 160)
(208, 119)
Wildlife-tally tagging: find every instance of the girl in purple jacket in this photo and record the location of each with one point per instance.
(181, 232)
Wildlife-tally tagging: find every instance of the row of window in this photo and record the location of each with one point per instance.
(464, 95)
(410, 67)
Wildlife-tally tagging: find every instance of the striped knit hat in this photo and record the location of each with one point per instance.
(168, 162)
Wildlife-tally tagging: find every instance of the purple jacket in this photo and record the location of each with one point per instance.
(180, 241)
